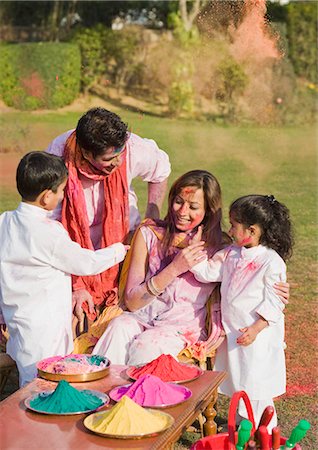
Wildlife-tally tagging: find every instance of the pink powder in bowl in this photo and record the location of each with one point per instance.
(150, 390)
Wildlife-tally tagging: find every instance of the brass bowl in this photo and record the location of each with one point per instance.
(89, 424)
(76, 377)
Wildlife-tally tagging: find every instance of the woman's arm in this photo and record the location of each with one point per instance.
(137, 292)
(282, 290)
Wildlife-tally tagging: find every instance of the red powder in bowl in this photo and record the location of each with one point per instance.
(167, 369)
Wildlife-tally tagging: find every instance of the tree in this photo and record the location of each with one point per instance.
(302, 37)
(189, 11)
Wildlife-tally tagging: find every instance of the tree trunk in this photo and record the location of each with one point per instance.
(188, 15)
(54, 27)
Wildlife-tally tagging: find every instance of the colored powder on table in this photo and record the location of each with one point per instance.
(128, 418)
(167, 369)
(150, 390)
(73, 364)
(66, 399)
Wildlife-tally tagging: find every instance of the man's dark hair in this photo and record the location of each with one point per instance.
(38, 171)
(99, 129)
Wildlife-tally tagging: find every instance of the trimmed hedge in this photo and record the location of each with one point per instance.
(39, 75)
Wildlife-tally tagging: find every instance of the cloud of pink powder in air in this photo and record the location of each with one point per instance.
(252, 40)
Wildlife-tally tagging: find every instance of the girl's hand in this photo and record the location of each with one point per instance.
(189, 257)
(248, 336)
(282, 290)
(250, 333)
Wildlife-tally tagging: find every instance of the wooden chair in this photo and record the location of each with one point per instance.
(203, 354)
(6, 366)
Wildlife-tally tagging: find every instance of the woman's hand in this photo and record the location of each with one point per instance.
(189, 257)
(282, 290)
(198, 236)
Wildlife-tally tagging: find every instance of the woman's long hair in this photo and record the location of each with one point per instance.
(200, 179)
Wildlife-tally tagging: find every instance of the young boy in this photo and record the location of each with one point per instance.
(37, 259)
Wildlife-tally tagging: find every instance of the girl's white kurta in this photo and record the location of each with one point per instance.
(247, 292)
(37, 257)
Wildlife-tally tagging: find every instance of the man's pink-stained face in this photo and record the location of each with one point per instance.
(108, 161)
(188, 208)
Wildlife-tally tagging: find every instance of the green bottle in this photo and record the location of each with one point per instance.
(297, 434)
(244, 433)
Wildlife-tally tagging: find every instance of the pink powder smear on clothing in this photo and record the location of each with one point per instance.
(167, 369)
(149, 390)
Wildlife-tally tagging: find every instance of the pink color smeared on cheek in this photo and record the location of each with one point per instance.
(246, 240)
(194, 222)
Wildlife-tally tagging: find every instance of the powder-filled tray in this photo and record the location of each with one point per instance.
(197, 372)
(103, 397)
(117, 393)
(89, 424)
(68, 368)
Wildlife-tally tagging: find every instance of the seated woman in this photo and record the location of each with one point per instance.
(167, 304)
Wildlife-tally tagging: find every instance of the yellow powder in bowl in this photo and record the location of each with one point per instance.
(128, 418)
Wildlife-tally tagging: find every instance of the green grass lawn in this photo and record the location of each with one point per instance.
(278, 161)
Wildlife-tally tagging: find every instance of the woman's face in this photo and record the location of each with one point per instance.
(188, 208)
(107, 162)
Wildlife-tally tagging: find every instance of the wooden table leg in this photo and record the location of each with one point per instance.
(210, 426)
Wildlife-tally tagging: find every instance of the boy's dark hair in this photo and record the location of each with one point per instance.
(272, 217)
(100, 129)
(38, 171)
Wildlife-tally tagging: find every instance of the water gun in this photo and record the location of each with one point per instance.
(297, 434)
(244, 433)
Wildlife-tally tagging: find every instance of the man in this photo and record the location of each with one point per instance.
(100, 205)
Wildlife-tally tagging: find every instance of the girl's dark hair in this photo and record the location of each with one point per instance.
(271, 216)
(200, 179)
(100, 129)
(38, 171)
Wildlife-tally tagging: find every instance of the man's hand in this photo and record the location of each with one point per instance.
(3, 329)
(78, 298)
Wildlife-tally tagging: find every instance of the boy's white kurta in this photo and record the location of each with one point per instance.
(37, 257)
(247, 292)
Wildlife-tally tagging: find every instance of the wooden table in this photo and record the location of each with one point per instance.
(24, 429)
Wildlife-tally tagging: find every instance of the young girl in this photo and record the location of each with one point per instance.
(253, 352)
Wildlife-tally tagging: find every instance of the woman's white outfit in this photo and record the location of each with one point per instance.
(165, 325)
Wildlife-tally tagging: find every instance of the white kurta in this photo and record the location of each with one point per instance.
(144, 159)
(247, 292)
(37, 257)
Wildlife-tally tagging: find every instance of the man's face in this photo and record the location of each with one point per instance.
(108, 161)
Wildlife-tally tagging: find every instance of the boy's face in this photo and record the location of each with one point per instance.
(54, 198)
